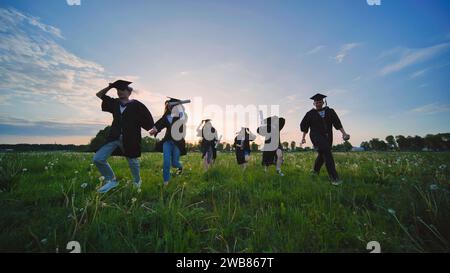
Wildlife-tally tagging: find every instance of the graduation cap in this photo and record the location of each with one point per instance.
(122, 85)
(174, 101)
(318, 97)
(170, 99)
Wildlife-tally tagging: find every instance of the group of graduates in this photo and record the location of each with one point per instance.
(130, 115)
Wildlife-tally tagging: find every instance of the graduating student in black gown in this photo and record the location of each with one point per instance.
(320, 122)
(242, 146)
(124, 138)
(173, 144)
(272, 150)
(208, 144)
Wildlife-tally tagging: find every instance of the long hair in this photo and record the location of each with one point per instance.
(166, 108)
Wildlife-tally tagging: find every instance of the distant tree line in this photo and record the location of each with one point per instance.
(438, 142)
(42, 147)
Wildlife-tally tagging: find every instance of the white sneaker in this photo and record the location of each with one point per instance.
(336, 182)
(166, 183)
(108, 186)
(280, 173)
(138, 185)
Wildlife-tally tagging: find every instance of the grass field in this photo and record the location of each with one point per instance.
(400, 200)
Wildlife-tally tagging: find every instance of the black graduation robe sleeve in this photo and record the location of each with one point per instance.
(335, 120)
(161, 123)
(108, 104)
(145, 117)
(305, 124)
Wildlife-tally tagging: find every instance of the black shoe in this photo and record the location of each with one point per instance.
(179, 171)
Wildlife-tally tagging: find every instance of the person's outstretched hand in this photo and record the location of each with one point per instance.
(345, 136)
(153, 131)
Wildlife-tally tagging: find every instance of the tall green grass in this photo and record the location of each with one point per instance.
(398, 199)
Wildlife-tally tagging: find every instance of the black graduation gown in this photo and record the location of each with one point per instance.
(270, 156)
(245, 148)
(205, 144)
(129, 124)
(164, 123)
(321, 128)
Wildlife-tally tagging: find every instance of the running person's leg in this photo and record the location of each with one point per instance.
(103, 166)
(135, 171)
(319, 162)
(167, 153)
(176, 158)
(279, 154)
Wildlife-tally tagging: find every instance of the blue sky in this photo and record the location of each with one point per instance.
(385, 68)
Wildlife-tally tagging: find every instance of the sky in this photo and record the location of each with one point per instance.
(385, 68)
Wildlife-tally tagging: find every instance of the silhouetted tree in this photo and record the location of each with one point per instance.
(228, 147)
(99, 139)
(378, 145)
(391, 142)
(402, 142)
(365, 145)
(293, 146)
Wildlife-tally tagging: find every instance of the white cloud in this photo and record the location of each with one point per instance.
(315, 50)
(432, 108)
(35, 68)
(345, 49)
(413, 56)
(419, 73)
(11, 18)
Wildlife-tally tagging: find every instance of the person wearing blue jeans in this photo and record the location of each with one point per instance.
(173, 144)
(105, 169)
(124, 138)
(171, 157)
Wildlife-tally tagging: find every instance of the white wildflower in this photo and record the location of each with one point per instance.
(84, 185)
(434, 187)
(24, 169)
(391, 211)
